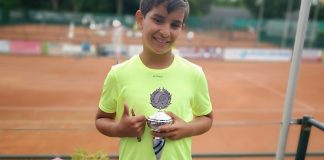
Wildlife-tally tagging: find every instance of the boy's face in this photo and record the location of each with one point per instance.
(160, 29)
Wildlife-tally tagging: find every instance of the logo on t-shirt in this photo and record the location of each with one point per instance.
(160, 98)
(157, 76)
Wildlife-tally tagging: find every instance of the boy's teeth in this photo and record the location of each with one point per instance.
(161, 41)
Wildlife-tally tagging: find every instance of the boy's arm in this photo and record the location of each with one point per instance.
(106, 124)
(201, 124)
(127, 126)
(181, 129)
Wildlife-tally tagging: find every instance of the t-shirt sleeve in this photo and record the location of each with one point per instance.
(201, 104)
(108, 99)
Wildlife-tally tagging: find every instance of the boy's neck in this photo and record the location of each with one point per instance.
(155, 61)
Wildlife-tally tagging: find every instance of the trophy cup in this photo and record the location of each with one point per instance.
(160, 99)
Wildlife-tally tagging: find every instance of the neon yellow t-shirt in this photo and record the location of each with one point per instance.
(133, 83)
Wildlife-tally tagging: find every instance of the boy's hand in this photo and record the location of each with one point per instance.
(131, 126)
(179, 129)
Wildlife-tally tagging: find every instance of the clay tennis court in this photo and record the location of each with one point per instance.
(48, 104)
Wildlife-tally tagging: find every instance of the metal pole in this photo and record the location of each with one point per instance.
(303, 138)
(293, 74)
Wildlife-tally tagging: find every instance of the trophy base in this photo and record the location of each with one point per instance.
(160, 118)
(157, 138)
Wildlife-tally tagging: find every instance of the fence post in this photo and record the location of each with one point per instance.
(303, 138)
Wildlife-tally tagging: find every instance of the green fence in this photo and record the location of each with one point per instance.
(271, 29)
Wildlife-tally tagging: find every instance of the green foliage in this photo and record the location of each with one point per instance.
(199, 7)
(273, 8)
(12, 4)
(94, 6)
(84, 155)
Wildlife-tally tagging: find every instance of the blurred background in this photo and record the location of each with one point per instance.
(55, 55)
(94, 27)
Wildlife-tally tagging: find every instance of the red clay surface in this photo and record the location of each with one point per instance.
(48, 104)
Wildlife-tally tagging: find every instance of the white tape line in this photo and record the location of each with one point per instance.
(88, 122)
(274, 110)
(254, 123)
(51, 108)
(43, 122)
(274, 91)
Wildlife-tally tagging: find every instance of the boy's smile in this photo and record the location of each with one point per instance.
(161, 41)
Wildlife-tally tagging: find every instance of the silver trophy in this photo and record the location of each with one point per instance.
(160, 99)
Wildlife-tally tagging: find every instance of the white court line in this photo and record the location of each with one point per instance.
(245, 123)
(276, 92)
(42, 122)
(51, 108)
(90, 122)
(226, 123)
(224, 109)
(258, 110)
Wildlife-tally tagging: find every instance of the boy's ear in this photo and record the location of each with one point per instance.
(139, 19)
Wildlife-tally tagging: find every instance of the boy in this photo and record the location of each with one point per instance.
(127, 100)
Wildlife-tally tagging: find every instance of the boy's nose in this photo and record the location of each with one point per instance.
(165, 32)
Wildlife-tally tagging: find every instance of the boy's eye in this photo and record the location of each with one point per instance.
(158, 20)
(176, 25)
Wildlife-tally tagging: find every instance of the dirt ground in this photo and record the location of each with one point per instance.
(48, 104)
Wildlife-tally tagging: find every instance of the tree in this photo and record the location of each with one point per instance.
(273, 9)
(12, 4)
(77, 5)
(199, 7)
(55, 4)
